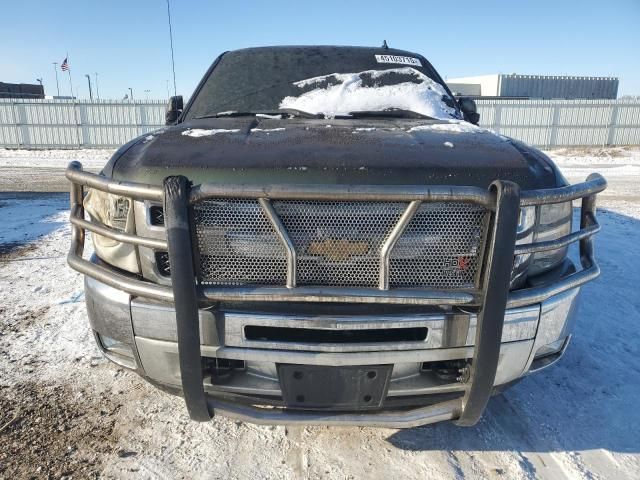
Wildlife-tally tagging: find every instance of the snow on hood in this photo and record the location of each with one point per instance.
(266, 115)
(199, 132)
(268, 130)
(423, 96)
(455, 126)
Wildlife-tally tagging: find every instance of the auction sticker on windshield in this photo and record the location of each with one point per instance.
(398, 59)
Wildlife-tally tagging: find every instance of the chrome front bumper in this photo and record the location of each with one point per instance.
(148, 330)
(490, 360)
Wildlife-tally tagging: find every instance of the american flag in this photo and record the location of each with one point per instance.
(65, 65)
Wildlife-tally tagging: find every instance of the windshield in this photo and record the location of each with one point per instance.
(322, 80)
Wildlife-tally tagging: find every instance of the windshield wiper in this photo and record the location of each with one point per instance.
(232, 114)
(290, 112)
(388, 113)
(294, 112)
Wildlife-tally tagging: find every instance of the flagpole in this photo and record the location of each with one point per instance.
(73, 100)
(69, 72)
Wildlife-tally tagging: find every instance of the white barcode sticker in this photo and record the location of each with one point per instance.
(398, 59)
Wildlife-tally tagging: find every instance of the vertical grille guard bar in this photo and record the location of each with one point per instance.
(387, 247)
(495, 287)
(283, 236)
(176, 211)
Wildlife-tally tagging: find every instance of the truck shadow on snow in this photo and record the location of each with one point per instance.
(25, 217)
(589, 399)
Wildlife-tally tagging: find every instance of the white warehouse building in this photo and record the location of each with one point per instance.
(513, 85)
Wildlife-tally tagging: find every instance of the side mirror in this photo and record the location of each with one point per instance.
(174, 109)
(469, 110)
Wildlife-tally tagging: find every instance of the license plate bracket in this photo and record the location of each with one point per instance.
(317, 387)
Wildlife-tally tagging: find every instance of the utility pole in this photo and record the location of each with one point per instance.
(173, 64)
(89, 80)
(97, 92)
(55, 69)
(131, 93)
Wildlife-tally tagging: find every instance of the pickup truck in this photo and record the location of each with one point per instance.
(323, 235)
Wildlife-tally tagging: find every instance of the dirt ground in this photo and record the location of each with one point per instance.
(43, 170)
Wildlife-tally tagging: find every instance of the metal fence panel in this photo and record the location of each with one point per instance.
(27, 123)
(550, 123)
(108, 124)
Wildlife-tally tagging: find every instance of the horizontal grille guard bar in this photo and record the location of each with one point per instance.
(339, 295)
(390, 193)
(154, 291)
(102, 229)
(139, 191)
(395, 419)
(595, 183)
(586, 232)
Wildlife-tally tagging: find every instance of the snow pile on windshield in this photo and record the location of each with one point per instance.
(341, 93)
(199, 132)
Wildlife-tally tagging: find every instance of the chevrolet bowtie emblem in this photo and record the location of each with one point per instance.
(338, 250)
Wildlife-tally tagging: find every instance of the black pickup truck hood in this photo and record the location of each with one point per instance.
(354, 151)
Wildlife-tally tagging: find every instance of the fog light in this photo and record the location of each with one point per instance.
(117, 351)
(550, 348)
(549, 354)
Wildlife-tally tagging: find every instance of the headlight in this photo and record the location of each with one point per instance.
(524, 234)
(554, 221)
(116, 212)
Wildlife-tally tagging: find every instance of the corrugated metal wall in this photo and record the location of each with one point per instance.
(548, 87)
(551, 123)
(104, 124)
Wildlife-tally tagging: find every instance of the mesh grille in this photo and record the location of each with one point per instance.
(237, 244)
(338, 243)
(441, 247)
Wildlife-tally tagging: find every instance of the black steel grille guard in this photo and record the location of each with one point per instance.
(503, 199)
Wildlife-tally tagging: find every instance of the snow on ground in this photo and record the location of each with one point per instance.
(64, 410)
(341, 93)
(90, 158)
